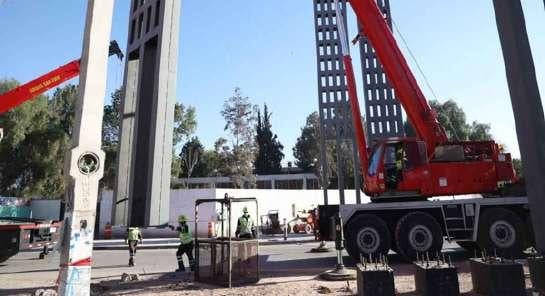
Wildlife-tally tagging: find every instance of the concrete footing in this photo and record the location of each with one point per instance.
(375, 280)
(494, 276)
(322, 248)
(339, 274)
(437, 279)
(537, 273)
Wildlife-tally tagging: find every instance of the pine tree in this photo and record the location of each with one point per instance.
(269, 154)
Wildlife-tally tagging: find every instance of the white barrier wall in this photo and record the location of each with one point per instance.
(287, 202)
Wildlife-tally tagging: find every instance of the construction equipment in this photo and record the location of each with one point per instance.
(402, 173)
(303, 222)
(270, 223)
(30, 90)
(429, 165)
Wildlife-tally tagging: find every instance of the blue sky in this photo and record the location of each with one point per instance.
(267, 48)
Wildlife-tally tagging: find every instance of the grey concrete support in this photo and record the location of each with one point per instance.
(85, 161)
(383, 110)
(527, 107)
(142, 190)
(334, 107)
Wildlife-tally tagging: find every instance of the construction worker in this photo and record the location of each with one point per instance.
(133, 237)
(186, 244)
(245, 226)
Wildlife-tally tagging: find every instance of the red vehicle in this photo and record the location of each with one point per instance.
(430, 164)
(18, 234)
(402, 173)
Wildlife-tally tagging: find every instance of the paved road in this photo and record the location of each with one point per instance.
(24, 272)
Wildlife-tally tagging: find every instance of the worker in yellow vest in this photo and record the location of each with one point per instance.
(133, 237)
(245, 226)
(186, 244)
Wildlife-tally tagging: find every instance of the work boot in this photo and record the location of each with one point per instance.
(131, 262)
(181, 267)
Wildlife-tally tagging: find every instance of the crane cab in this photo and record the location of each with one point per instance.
(397, 167)
(401, 168)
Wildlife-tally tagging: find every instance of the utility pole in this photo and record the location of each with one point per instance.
(527, 107)
(84, 163)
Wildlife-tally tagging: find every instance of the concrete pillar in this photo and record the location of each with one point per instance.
(142, 190)
(527, 107)
(85, 161)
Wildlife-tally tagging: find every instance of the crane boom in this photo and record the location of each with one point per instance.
(407, 91)
(29, 90)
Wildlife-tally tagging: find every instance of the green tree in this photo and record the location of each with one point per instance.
(36, 138)
(191, 156)
(110, 138)
(480, 131)
(239, 115)
(269, 149)
(307, 153)
(517, 165)
(307, 146)
(453, 119)
(185, 124)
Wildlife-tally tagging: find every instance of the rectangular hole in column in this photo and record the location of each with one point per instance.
(133, 28)
(146, 91)
(148, 19)
(157, 12)
(140, 24)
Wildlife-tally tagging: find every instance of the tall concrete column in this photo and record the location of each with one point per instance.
(527, 107)
(142, 191)
(85, 161)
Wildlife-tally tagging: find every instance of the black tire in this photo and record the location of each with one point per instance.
(501, 232)
(418, 233)
(367, 235)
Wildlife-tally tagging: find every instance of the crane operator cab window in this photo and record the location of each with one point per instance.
(394, 161)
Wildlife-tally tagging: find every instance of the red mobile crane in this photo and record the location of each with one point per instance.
(403, 172)
(430, 164)
(29, 90)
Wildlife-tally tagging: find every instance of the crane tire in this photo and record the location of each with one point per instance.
(502, 233)
(367, 235)
(418, 233)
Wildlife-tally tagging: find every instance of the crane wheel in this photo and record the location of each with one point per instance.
(367, 235)
(502, 233)
(418, 233)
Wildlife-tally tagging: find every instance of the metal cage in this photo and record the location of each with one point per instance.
(224, 260)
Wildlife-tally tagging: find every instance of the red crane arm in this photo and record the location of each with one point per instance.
(29, 90)
(409, 94)
(352, 93)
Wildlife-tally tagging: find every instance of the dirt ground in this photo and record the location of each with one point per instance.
(172, 284)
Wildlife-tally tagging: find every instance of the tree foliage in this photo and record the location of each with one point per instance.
(37, 134)
(110, 138)
(238, 159)
(269, 149)
(185, 124)
(453, 118)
